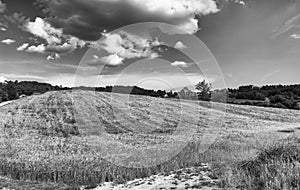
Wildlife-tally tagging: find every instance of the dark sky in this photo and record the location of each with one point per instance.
(98, 42)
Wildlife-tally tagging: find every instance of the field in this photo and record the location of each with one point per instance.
(86, 138)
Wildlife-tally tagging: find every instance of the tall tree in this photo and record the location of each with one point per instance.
(204, 90)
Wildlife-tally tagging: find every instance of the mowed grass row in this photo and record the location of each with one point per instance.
(44, 138)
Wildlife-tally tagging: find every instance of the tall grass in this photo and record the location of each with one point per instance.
(275, 168)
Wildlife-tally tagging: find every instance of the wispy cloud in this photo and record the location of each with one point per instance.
(269, 75)
(8, 41)
(292, 23)
(181, 64)
(22, 47)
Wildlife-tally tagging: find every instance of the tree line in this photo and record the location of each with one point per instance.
(279, 96)
(11, 90)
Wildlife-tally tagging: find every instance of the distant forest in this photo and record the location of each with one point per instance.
(279, 96)
(11, 90)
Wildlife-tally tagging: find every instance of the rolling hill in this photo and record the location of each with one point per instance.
(83, 137)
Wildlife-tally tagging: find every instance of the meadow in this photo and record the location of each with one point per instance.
(86, 138)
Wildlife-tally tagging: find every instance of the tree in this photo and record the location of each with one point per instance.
(11, 90)
(204, 90)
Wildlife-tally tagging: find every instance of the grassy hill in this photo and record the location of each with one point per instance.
(86, 138)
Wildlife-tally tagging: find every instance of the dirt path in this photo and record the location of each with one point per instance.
(199, 177)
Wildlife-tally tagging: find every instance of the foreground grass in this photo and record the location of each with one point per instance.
(43, 138)
(276, 167)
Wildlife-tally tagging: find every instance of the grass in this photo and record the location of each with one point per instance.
(276, 167)
(85, 138)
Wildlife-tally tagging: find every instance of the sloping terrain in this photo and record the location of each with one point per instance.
(87, 138)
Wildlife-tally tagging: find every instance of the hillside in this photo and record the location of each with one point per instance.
(86, 138)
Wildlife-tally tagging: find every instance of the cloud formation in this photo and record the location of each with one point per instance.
(112, 60)
(44, 30)
(123, 45)
(180, 45)
(36, 49)
(292, 23)
(296, 36)
(55, 42)
(181, 64)
(53, 57)
(8, 41)
(86, 19)
(22, 47)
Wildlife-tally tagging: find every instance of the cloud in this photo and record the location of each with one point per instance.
(8, 41)
(22, 47)
(180, 45)
(292, 23)
(242, 3)
(44, 30)
(181, 64)
(85, 19)
(61, 49)
(2, 7)
(53, 57)
(3, 29)
(2, 79)
(36, 49)
(110, 60)
(127, 46)
(56, 43)
(296, 36)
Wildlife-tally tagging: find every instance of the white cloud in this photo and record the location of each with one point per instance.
(8, 41)
(44, 30)
(190, 27)
(296, 36)
(181, 64)
(2, 7)
(53, 57)
(178, 12)
(180, 45)
(242, 3)
(110, 60)
(3, 29)
(2, 79)
(37, 49)
(22, 47)
(56, 42)
(127, 46)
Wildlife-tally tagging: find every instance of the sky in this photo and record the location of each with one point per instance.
(158, 44)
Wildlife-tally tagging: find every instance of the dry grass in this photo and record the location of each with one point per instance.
(44, 138)
(274, 168)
